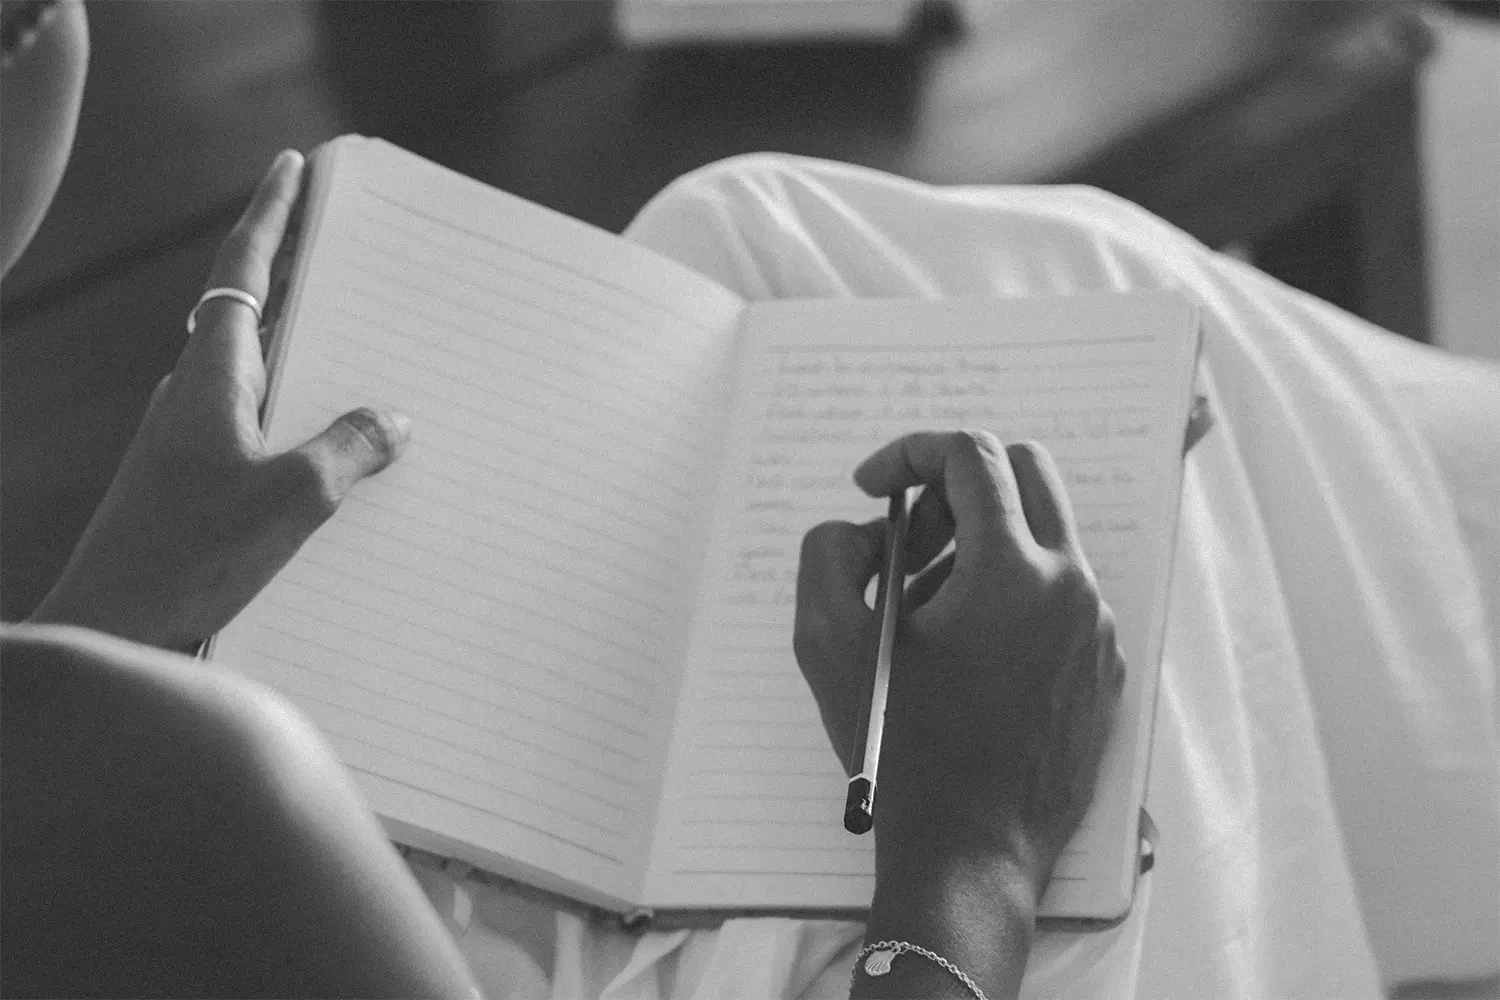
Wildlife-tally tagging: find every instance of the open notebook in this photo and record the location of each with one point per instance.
(554, 639)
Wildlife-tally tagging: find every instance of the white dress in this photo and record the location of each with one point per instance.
(1324, 772)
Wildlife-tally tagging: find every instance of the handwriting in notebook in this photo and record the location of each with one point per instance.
(821, 412)
(816, 413)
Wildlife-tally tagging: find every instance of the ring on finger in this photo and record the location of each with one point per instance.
(237, 294)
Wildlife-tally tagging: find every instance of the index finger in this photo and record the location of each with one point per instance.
(227, 329)
(975, 475)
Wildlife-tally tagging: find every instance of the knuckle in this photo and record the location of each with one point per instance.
(1106, 621)
(821, 538)
(1078, 592)
(304, 488)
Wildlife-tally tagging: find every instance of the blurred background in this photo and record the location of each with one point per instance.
(1349, 148)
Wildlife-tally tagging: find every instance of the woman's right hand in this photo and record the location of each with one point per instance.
(1006, 670)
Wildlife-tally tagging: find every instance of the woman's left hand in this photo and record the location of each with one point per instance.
(200, 516)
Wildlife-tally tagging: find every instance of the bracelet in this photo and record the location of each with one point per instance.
(882, 953)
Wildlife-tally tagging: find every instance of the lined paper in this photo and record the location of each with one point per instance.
(754, 798)
(489, 630)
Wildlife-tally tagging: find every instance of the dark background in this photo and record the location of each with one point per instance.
(1286, 130)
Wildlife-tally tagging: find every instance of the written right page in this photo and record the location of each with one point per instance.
(753, 806)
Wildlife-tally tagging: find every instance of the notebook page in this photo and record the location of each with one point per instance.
(754, 799)
(488, 629)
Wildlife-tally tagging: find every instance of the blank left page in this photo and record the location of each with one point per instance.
(488, 630)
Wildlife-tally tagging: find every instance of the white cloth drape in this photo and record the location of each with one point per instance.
(1324, 771)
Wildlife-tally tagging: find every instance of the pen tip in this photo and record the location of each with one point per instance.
(859, 807)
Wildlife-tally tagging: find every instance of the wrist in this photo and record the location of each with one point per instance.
(931, 831)
(999, 887)
(979, 914)
(67, 604)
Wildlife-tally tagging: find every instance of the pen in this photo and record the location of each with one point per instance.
(859, 807)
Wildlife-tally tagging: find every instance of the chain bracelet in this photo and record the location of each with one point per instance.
(877, 959)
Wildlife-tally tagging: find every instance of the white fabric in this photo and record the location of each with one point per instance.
(1324, 772)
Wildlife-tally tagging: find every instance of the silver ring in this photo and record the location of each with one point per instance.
(239, 295)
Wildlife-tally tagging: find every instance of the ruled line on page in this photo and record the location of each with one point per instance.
(508, 763)
(570, 446)
(622, 290)
(800, 736)
(779, 872)
(487, 256)
(737, 794)
(1053, 413)
(593, 346)
(940, 346)
(477, 459)
(720, 844)
(483, 623)
(431, 444)
(563, 388)
(811, 824)
(529, 557)
(570, 374)
(644, 658)
(813, 742)
(365, 629)
(446, 759)
(425, 790)
(856, 860)
(750, 772)
(501, 576)
(346, 651)
(757, 626)
(754, 663)
(489, 412)
(499, 530)
(365, 617)
(518, 476)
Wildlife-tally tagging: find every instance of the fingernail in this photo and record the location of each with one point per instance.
(402, 423)
(283, 159)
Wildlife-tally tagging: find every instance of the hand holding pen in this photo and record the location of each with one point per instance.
(1003, 673)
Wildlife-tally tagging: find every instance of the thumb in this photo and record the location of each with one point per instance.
(358, 444)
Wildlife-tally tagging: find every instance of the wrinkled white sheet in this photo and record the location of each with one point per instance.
(1324, 774)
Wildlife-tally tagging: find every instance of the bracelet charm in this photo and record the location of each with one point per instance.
(877, 959)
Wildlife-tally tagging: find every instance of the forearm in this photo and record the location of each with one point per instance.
(979, 915)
